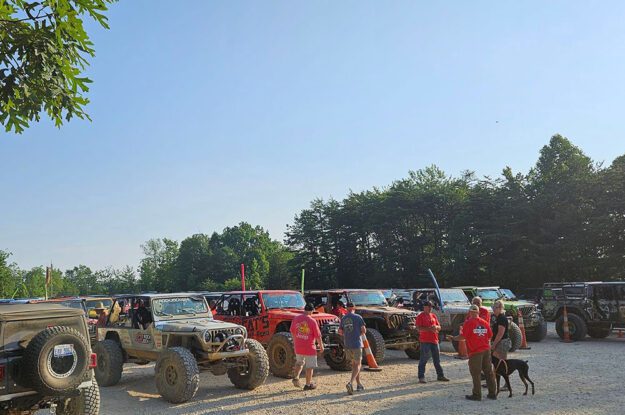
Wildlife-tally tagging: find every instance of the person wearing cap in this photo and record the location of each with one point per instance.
(477, 333)
(305, 332)
(428, 326)
(102, 314)
(484, 313)
(352, 328)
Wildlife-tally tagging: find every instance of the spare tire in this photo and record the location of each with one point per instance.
(56, 361)
(516, 338)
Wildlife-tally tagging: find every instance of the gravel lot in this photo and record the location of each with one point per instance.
(578, 378)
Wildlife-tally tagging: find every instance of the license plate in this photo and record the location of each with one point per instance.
(63, 350)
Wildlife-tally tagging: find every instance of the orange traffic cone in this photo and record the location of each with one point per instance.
(462, 348)
(565, 326)
(523, 337)
(371, 363)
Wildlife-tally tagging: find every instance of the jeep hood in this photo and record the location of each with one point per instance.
(193, 324)
(291, 313)
(384, 310)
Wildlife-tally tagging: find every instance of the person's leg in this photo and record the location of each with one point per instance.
(487, 368)
(423, 359)
(297, 369)
(309, 375)
(475, 368)
(436, 358)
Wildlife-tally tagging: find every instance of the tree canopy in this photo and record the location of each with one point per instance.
(44, 49)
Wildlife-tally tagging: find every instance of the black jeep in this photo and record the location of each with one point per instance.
(46, 360)
(593, 308)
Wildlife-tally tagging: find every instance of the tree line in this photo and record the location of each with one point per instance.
(563, 220)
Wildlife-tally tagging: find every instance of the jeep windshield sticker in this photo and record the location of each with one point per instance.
(284, 300)
(143, 338)
(177, 306)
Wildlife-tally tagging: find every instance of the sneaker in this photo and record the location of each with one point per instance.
(493, 397)
(350, 389)
(296, 383)
(360, 388)
(473, 398)
(442, 379)
(422, 380)
(310, 387)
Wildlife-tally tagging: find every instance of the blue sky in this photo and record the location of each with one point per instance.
(208, 113)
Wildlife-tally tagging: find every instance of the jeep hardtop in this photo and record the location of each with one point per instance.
(593, 308)
(46, 360)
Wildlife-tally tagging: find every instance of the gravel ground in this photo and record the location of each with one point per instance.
(579, 378)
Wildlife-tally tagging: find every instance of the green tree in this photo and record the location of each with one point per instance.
(157, 271)
(81, 280)
(9, 276)
(43, 52)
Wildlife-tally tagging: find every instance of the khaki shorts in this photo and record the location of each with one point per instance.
(355, 355)
(503, 347)
(309, 362)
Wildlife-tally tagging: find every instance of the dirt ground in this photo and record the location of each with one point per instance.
(579, 378)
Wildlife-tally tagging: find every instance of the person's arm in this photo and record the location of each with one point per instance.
(319, 339)
(363, 328)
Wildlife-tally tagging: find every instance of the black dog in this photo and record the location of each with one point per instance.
(506, 367)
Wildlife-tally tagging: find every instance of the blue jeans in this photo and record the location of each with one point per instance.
(428, 349)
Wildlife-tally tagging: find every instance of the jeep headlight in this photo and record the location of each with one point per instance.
(240, 330)
(208, 336)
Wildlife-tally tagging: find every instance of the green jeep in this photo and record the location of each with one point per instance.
(535, 324)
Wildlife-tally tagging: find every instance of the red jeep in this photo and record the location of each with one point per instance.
(267, 316)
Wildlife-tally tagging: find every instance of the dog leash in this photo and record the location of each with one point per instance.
(498, 363)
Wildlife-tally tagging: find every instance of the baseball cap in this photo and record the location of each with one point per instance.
(309, 307)
(474, 308)
(350, 304)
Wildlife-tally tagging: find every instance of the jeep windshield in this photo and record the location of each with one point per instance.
(365, 298)
(106, 302)
(508, 294)
(284, 300)
(454, 296)
(489, 294)
(179, 306)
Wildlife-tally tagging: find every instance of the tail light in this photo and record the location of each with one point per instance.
(93, 360)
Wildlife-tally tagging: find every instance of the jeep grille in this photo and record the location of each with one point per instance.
(397, 321)
(527, 310)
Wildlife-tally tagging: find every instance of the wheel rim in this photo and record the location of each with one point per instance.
(171, 375)
(337, 355)
(62, 367)
(279, 356)
(572, 328)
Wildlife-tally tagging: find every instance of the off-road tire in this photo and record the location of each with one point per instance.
(377, 345)
(87, 403)
(108, 372)
(258, 367)
(36, 371)
(177, 375)
(516, 338)
(335, 357)
(281, 355)
(538, 334)
(579, 329)
(599, 332)
(414, 352)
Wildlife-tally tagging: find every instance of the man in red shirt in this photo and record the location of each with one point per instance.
(484, 313)
(477, 333)
(305, 332)
(428, 326)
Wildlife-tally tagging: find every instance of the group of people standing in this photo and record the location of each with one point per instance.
(484, 336)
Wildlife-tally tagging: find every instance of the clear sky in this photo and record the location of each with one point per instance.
(209, 113)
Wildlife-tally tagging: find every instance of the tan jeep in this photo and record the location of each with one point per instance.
(178, 332)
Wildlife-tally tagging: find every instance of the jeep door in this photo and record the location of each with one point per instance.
(254, 318)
